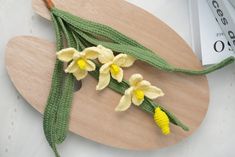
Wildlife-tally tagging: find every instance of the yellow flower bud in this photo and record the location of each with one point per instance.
(162, 121)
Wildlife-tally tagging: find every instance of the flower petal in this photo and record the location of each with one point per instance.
(125, 101)
(129, 61)
(73, 67)
(106, 55)
(117, 76)
(90, 65)
(143, 85)
(76, 56)
(135, 79)
(66, 55)
(105, 68)
(80, 74)
(124, 60)
(153, 92)
(120, 59)
(137, 101)
(104, 79)
(91, 53)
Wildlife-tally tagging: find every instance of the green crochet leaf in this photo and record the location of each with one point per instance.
(121, 43)
(50, 112)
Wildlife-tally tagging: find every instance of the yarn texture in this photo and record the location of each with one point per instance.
(162, 121)
(74, 34)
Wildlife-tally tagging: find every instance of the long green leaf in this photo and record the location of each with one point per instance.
(49, 117)
(150, 58)
(64, 106)
(121, 42)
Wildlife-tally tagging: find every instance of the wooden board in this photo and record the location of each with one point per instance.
(30, 62)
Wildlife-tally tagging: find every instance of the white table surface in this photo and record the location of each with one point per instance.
(21, 131)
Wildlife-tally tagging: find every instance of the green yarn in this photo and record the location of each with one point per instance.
(57, 111)
(123, 44)
(50, 111)
(64, 106)
(72, 31)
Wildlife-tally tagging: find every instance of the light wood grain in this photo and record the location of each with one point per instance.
(30, 61)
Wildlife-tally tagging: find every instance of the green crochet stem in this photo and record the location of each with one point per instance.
(72, 31)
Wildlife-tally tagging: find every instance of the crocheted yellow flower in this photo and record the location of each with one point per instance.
(80, 62)
(162, 121)
(139, 88)
(112, 65)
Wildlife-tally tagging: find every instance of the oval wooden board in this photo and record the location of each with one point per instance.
(30, 63)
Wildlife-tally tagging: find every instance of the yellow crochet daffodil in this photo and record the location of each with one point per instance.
(139, 88)
(81, 62)
(162, 121)
(112, 65)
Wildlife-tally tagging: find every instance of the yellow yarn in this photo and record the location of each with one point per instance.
(82, 64)
(115, 69)
(162, 121)
(139, 94)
